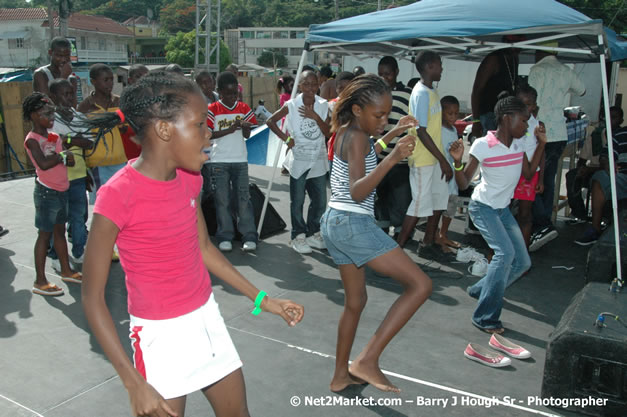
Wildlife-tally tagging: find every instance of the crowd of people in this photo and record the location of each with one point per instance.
(151, 156)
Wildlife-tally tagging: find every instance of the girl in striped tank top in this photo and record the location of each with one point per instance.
(351, 234)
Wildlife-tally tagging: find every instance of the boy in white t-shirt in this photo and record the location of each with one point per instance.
(231, 121)
(307, 117)
(450, 113)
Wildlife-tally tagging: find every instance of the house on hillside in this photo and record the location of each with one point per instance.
(25, 37)
(147, 46)
(246, 44)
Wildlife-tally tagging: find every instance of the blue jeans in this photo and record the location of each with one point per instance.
(229, 183)
(543, 204)
(316, 188)
(76, 215)
(502, 233)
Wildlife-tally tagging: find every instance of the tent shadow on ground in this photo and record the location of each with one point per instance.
(11, 301)
(276, 187)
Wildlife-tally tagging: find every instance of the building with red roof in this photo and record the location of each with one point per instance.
(25, 37)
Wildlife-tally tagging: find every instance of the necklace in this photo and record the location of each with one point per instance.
(512, 78)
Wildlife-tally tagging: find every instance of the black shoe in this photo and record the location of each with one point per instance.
(434, 253)
(589, 237)
(3, 231)
(542, 237)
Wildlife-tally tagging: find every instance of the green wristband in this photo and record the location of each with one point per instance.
(258, 301)
(288, 139)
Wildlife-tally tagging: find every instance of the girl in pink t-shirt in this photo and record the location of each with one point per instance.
(51, 201)
(284, 88)
(151, 209)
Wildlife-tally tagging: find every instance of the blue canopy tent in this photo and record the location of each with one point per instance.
(470, 30)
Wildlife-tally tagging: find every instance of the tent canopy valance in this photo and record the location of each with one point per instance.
(468, 29)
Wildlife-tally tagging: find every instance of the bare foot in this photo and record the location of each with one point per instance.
(450, 243)
(341, 383)
(444, 247)
(373, 376)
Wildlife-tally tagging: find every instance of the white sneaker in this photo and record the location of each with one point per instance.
(300, 245)
(225, 246)
(56, 265)
(249, 246)
(468, 254)
(77, 261)
(479, 268)
(315, 241)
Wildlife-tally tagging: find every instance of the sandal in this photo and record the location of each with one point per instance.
(76, 278)
(47, 289)
(3, 231)
(489, 330)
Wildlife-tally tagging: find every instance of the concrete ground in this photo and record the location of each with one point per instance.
(52, 366)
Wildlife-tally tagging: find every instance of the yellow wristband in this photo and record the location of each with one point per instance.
(288, 139)
(460, 167)
(69, 138)
(382, 144)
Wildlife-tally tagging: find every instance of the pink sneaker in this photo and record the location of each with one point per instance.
(486, 356)
(498, 342)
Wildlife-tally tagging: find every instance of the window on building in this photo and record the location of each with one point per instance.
(102, 45)
(18, 43)
(251, 51)
(281, 34)
(247, 34)
(264, 35)
(296, 51)
(282, 51)
(297, 34)
(83, 43)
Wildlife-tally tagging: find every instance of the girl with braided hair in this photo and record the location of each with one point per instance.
(501, 160)
(351, 233)
(50, 195)
(151, 209)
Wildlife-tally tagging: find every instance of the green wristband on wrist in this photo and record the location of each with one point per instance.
(63, 157)
(258, 301)
(382, 144)
(460, 167)
(288, 139)
(69, 138)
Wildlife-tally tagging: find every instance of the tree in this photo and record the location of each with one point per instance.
(612, 12)
(178, 16)
(180, 50)
(270, 59)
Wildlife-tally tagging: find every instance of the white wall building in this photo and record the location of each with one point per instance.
(246, 44)
(25, 38)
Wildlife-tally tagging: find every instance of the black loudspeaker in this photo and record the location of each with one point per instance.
(586, 360)
(272, 224)
(601, 264)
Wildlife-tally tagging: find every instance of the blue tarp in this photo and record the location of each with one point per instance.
(458, 20)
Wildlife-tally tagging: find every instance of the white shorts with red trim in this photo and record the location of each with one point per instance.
(184, 354)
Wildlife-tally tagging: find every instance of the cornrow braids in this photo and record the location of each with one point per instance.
(363, 90)
(156, 96)
(34, 102)
(508, 105)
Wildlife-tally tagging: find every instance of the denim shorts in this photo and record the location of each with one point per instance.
(51, 207)
(353, 238)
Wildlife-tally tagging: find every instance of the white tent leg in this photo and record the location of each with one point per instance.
(303, 57)
(610, 144)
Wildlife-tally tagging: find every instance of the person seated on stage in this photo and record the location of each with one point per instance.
(588, 164)
(231, 121)
(601, 184)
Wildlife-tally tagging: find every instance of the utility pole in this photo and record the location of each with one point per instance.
(337, 11)
(64, 14)
(50, 19)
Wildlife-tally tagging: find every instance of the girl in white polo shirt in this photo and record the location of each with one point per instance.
(501, 160)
